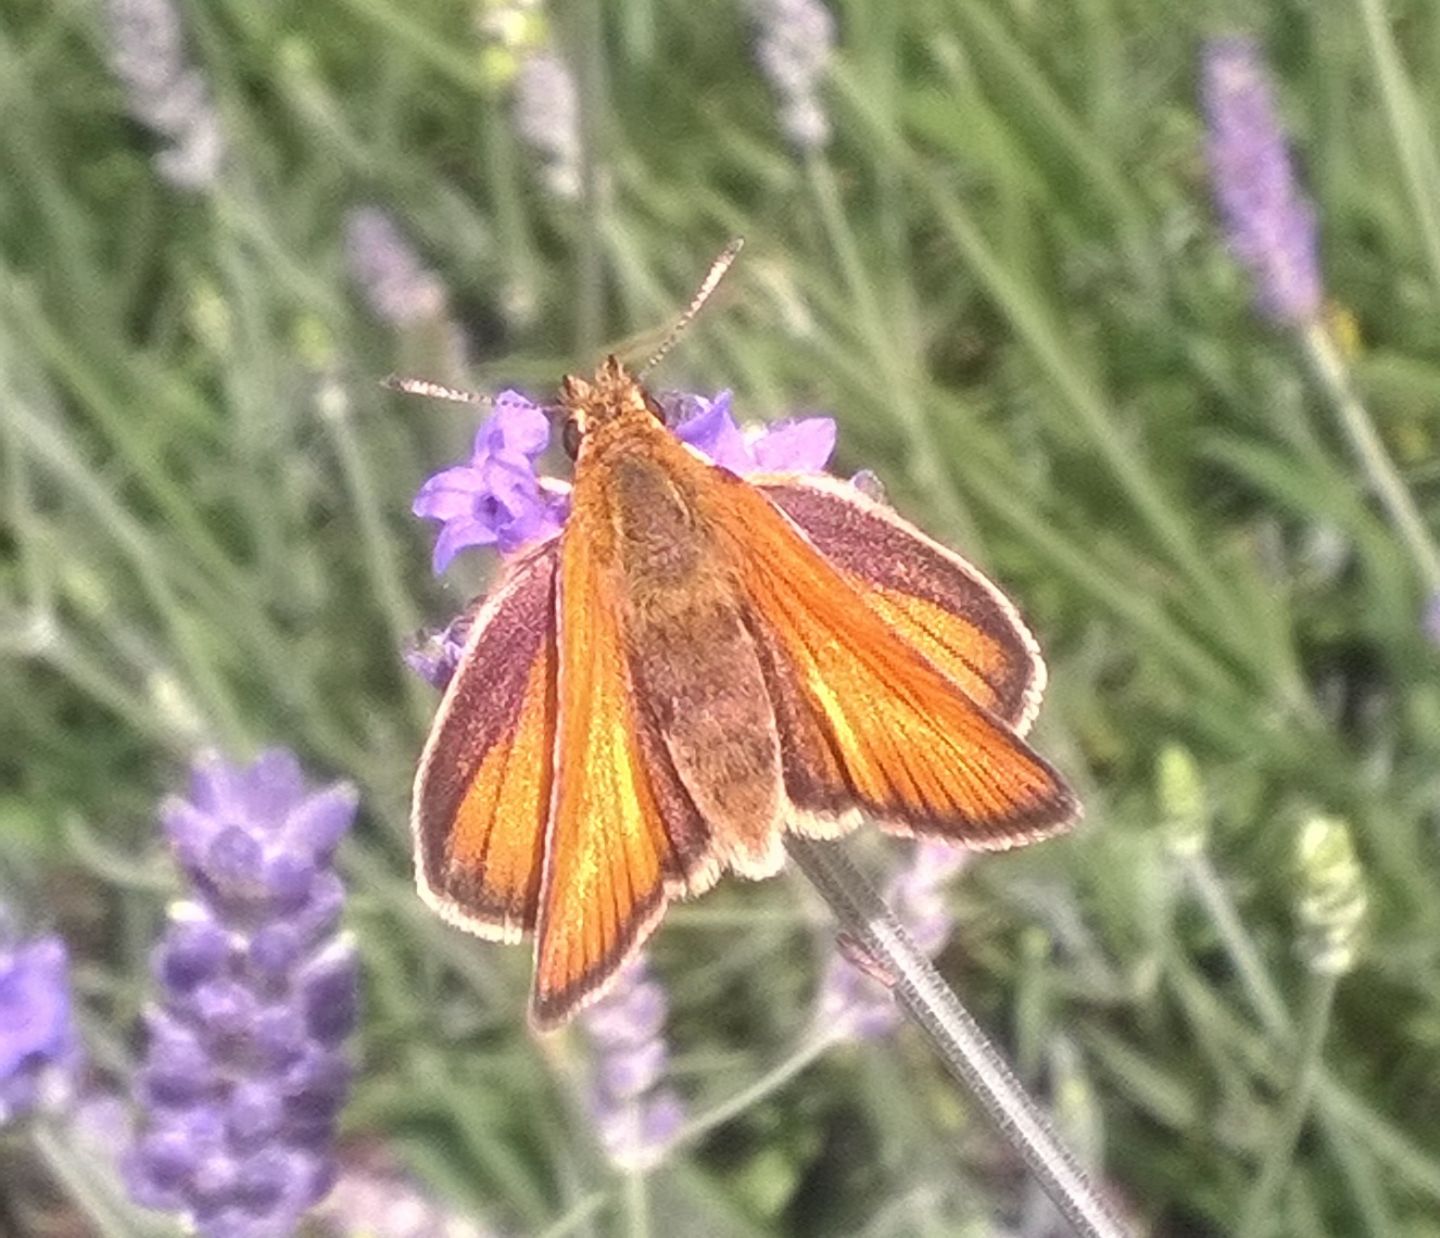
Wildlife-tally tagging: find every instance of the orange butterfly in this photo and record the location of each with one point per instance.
(696, 664)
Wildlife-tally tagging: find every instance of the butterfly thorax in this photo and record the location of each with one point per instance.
(637, 491)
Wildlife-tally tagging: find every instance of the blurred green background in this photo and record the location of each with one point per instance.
(1003, 276)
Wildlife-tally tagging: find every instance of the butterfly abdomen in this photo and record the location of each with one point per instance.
(694, 663)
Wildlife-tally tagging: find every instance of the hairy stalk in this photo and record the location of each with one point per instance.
(933, 1006)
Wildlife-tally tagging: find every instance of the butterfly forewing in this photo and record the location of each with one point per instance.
(867, 720)
(482, 793)
(623, 835)
(925, 593)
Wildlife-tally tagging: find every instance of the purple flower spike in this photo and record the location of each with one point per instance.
(245, 1074)
(36, 1036)
(1270, 226)
(398, 287)
(496, 499)
(374, 1196)
(858, 1004)
(636, 1116)
(797, 40)
(164, 92)
(795, 445)
(547, 117)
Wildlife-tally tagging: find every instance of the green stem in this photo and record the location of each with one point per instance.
(1406, 129)
(1339, 1116)
(925, 456)
(816, 1045)
(1333, 378)
(589, 47)
(1259, 1217)
(1256, 981)
(637, 1205)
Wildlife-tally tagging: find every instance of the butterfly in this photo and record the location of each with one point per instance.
(694, 666)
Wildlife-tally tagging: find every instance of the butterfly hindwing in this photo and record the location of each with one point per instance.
(482, 793)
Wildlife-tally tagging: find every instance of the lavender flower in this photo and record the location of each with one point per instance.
(636, 1117)
(36, 1035)
(859, 1005)
(499, 500)
(547, 117)
(374, 1197)
(167, 95)
(1333, 899)
(496, 499)
(1430, 619)
(397, 286)
(1270, 226)
(797, 39)
(244, 1074)
(436, 654)
(799, 445)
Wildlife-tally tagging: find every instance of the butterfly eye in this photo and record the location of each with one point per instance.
(570, 437)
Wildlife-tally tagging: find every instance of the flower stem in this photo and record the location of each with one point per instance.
(933, 1006)
(1256, 981)
(1259, 1213)
(815, 1046)
(1331, 374)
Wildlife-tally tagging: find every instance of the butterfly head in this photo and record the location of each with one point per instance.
(613, 395)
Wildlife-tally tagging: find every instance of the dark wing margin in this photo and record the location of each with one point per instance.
(941, 604)
(482, 793)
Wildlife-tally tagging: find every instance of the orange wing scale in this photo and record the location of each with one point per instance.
(924, 592)
(872, 722)
(482, 793)
(623, 834)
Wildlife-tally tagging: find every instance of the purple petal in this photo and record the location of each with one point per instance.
(635, 1071)
(524, 428)
(232, 860)
(451, 494)
(192, 951)
(273, 783)
(801, 446)
(215, 786)
(189, 828)
(255, 1111)
(713, 431)
(34, 1003)
(510, 480)
(664, 1115)
(322, 819)
(329, 993)
(457, 535)
(274, 950)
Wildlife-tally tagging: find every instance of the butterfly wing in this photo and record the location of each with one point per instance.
(866, 718)
(482, 793)
(624, 836)
(929, 595)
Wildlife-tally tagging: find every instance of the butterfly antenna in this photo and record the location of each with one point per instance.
(436, 391)
(702, 294)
